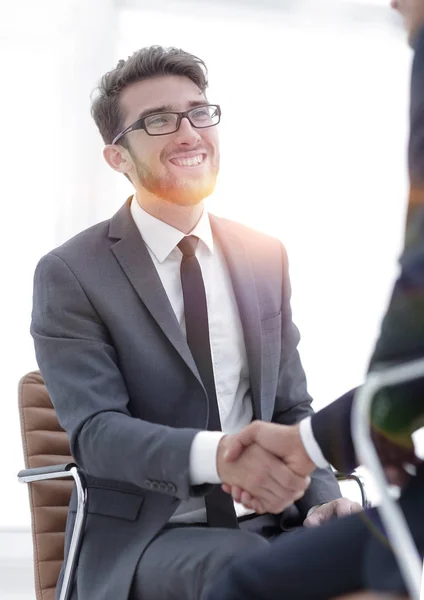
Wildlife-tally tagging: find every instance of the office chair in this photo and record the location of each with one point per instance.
(50, 469)
(52, 472)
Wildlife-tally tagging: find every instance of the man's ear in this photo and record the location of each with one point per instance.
(118, 158)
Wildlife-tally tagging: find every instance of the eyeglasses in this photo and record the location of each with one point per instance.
(165, 123)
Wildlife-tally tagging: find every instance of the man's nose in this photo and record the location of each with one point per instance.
(187, 134)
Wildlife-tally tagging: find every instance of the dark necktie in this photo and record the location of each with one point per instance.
(219, 505)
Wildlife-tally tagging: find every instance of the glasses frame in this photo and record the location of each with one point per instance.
(141, 123)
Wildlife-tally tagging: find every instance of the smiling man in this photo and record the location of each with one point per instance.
(159, 331)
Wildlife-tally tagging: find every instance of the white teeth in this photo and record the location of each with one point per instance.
(188, 162)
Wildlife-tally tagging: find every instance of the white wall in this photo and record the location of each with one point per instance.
(325, 172)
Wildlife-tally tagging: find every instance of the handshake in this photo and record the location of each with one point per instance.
(265, 466)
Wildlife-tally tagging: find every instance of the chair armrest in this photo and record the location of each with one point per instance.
(50, 472)
(60, 472)
(359, 480)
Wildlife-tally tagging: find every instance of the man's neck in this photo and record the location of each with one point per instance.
(183, 218)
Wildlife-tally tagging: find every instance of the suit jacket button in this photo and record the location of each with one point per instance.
(147, 484)
(155, 486)
(163, 486)
(172, 488)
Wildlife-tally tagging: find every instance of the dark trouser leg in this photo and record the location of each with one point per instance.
(340, 557)
(381, 571)
(181, 560)
(313, 564)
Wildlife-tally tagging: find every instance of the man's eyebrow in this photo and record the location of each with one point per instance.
(194, 103)
(168, 108)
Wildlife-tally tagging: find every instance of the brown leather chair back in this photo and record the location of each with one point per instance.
(45, 443)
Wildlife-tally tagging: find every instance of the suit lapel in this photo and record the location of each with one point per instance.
(134, 258)
(240, 268)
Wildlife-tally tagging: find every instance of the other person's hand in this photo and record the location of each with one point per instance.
(395, 456)
(270, 483)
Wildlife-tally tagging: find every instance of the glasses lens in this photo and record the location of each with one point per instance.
(161, 123)
(204, 116)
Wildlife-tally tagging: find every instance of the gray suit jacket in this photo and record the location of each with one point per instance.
(126, 389)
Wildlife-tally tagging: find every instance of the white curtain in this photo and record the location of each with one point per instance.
(313, 144)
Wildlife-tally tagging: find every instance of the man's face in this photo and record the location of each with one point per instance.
(412, 12)
(180, 167)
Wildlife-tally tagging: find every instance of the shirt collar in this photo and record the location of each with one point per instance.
(162, 238)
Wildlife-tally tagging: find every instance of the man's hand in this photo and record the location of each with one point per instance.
(283, 441)
(265, 478)
(336, 508)
(395, 456)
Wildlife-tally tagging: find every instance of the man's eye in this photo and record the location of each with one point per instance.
(158, 121)
(201, 113)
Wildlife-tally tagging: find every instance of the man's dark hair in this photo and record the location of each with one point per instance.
(152, 61)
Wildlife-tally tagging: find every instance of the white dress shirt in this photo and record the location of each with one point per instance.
(310, 443)
(228, 350)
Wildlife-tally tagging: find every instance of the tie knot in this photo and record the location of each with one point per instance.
(188, 245)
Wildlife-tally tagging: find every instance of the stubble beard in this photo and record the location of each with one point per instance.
(168, 187)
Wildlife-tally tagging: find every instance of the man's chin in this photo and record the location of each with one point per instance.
(186, 195)
(187, 199)
(181, 190)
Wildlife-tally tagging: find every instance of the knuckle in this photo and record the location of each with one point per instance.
(305, 483)
(254, 426)
(258, 507)
(298, 495)
(246, 497)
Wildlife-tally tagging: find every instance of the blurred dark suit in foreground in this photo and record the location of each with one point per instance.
(353, 553)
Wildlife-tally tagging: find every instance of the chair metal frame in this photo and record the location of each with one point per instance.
(394, 521)
(354, 476)
(61, 472)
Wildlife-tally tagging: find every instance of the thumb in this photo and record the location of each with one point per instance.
(234, 450)
(238, 442)
(319, 516)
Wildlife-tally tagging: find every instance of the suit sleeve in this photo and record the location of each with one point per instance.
(80, 367)
(331, 429)
(293, 403)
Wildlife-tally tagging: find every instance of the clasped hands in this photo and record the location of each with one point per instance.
(266, 468)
